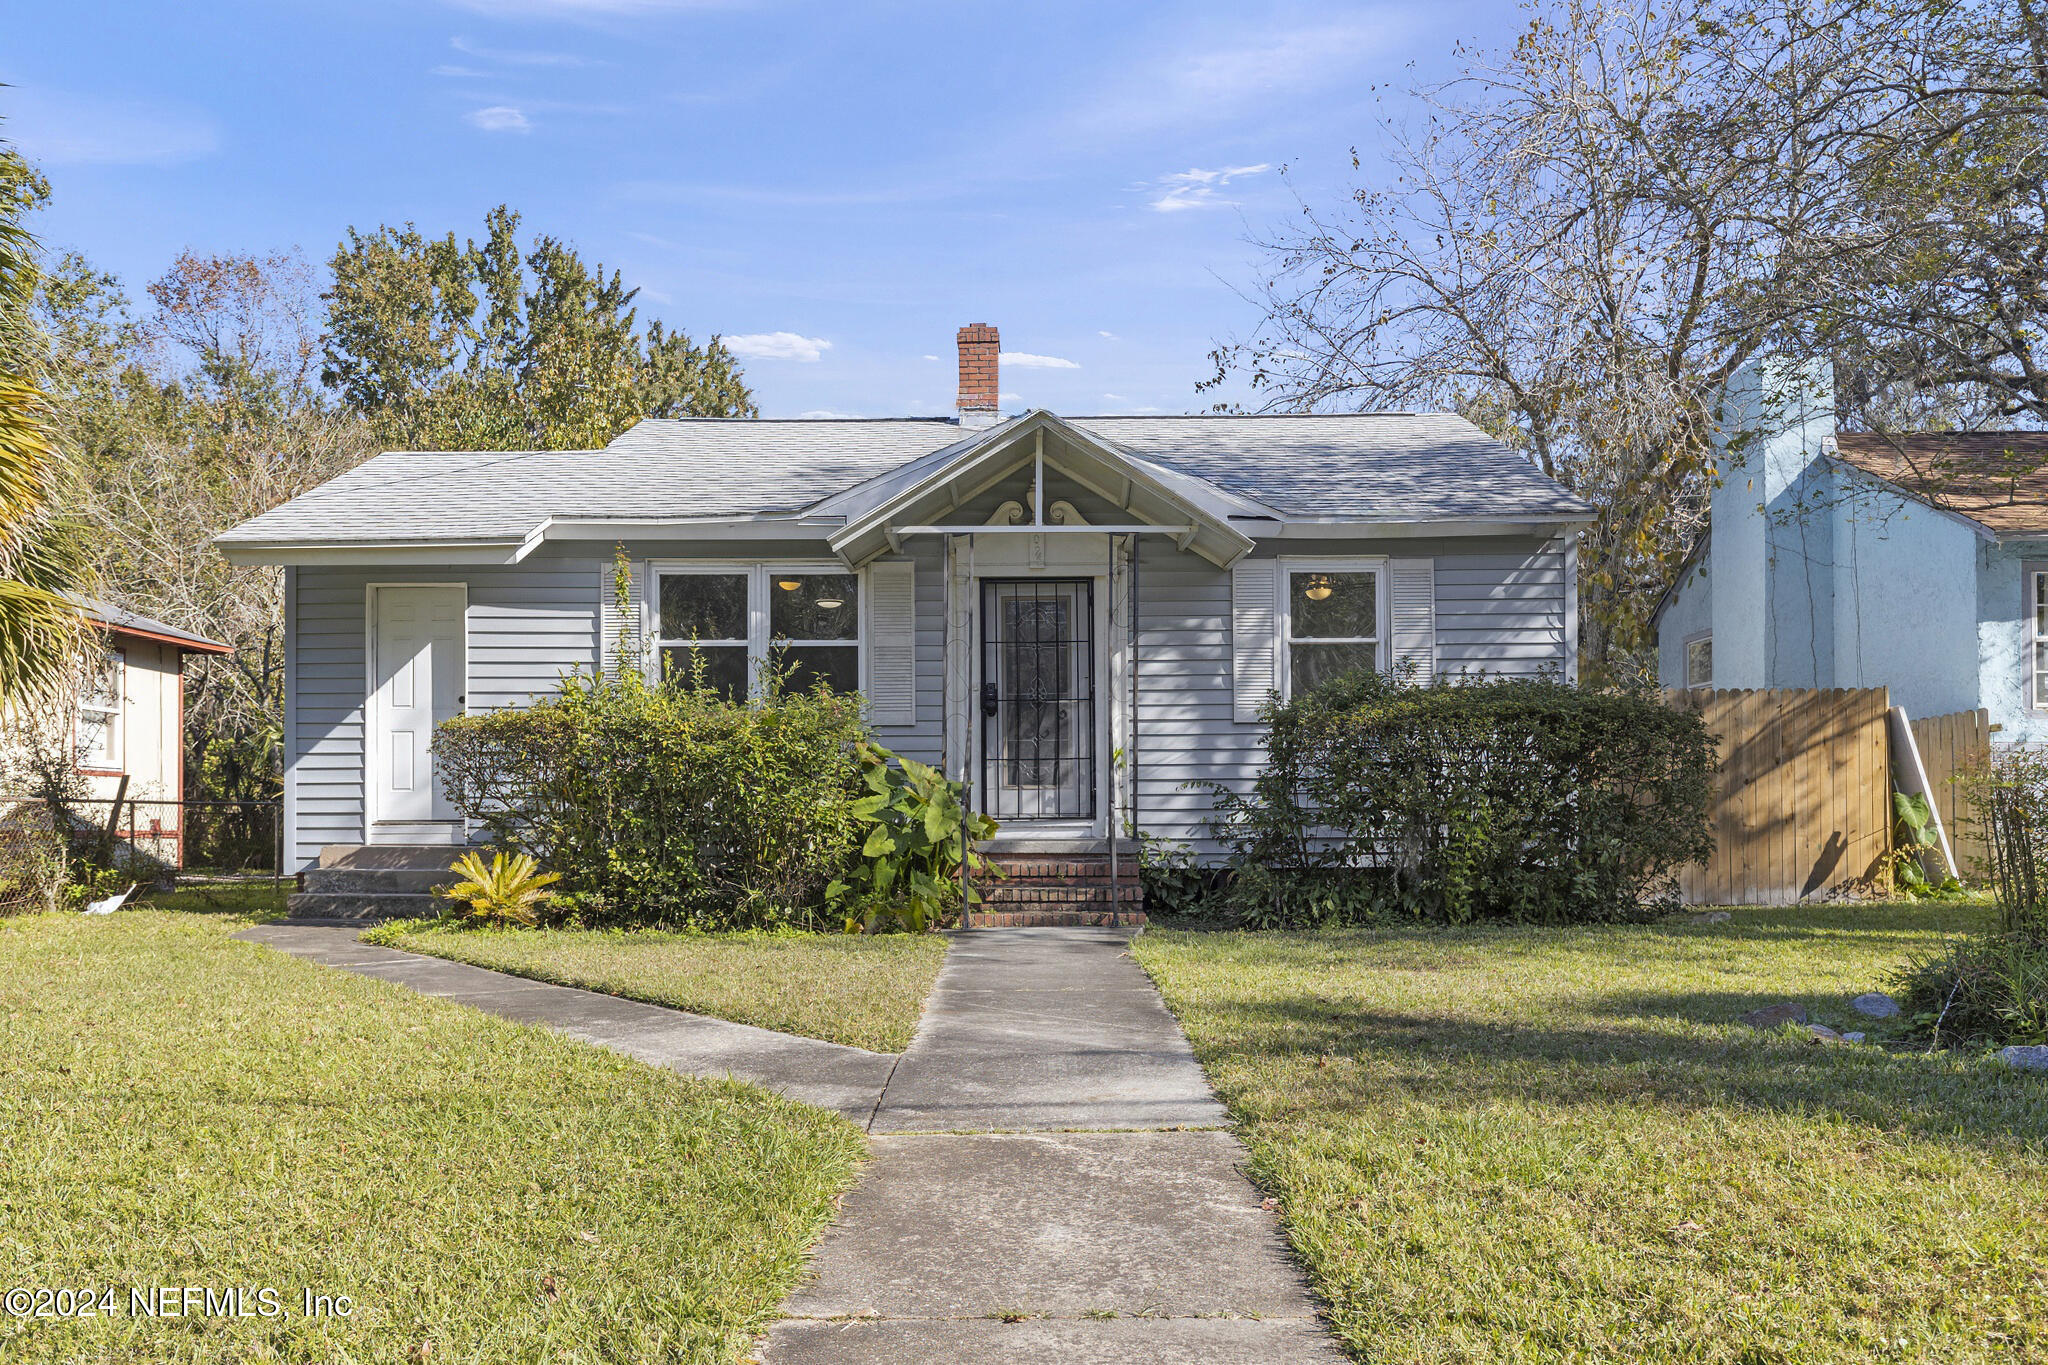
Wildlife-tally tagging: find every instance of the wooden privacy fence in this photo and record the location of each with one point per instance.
(1803, 803)
(1952, 744)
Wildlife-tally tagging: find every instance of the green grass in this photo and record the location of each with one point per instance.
(1510, 1144)
(861, 990)
(179, 1108)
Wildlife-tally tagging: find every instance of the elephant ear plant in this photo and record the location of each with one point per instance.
(908, 873)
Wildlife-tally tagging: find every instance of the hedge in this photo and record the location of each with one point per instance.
(669, 805)
(1461, 800)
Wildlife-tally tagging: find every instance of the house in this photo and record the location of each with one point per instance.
(1839, 559)
(126, 728)
(1075, 615)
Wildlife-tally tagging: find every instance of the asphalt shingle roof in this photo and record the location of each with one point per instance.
(1998, 479)
(1378, 466)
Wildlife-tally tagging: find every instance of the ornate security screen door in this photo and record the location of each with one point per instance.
(1038, 699)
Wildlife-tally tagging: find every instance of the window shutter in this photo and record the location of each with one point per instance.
(892, 642)
(1254, 602)
(614, 628)
(1414, 623)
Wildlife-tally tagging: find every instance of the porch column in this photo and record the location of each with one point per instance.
(959, 656)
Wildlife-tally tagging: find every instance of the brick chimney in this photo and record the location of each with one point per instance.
(979, 383)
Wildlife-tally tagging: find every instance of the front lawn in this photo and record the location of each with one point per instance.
(1513, 1144)
(861, 990)
(181, 1109)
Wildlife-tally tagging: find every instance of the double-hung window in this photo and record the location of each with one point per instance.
(742, 623)
(96, 733)
(1333, 620)
(2037, 632)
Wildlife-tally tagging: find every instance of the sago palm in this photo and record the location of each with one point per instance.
(508, 891)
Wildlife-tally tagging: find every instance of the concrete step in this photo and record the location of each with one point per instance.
(362, 907)
(391, 857)
(378, 881)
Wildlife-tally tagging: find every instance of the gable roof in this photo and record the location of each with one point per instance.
(1388, 467)
(931, 488)
(1998, 479)
(121, 621)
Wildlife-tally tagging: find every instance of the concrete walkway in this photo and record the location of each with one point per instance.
(985, 1231)
(828, 1075)
(991, 1226)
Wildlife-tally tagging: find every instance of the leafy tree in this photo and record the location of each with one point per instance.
(478, 346)
(39, 630)
(193, 418)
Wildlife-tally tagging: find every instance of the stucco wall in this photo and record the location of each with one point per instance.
(1906, 598)
(2003, 639)
(1688, 611)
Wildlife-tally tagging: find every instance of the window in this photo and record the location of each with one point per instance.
(96, 737)
(1332, 622)
(1699, 661)
(2037, 663)
(730, 620)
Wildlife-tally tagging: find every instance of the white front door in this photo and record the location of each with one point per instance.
(416, 673)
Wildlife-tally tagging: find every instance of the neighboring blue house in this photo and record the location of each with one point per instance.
(1079, 616)
(1837, 559)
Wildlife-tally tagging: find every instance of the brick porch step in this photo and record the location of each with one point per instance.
(1053, 919)
(1058, 889)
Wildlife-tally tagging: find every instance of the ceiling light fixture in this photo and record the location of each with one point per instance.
(789, 584)
(1319, 588)
(831, 603)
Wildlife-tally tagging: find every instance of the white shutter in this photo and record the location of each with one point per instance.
(615, 629)
(1254, 603)
(1414, 624)
(892, 642)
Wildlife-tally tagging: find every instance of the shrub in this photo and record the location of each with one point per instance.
(908, 872)
(506, 892)
(1455, 801)
(668, 805)
(1991, 991)
(2010, 797)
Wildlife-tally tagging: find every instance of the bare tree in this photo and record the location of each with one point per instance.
(1591, 232)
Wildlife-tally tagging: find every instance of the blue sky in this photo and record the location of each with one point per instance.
(835, 187)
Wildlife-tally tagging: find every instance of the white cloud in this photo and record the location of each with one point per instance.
(1009, 398)
(1114, 398)
(828, 415)
(1109, 336)
(54, 128)
(931, 357)
(1024, 360)
(512, 56)
(499, 118)
(1225, 75)
(1198, 189)
(777, 346)
(461, 72)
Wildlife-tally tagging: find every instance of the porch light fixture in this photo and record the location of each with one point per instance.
(789, 584)
(831, 603)
(1318, 588)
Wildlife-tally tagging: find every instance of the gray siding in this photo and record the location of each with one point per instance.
(527, 627)
(926, 740)
(1185, 733)
(1501, 613)
(1501, 608)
